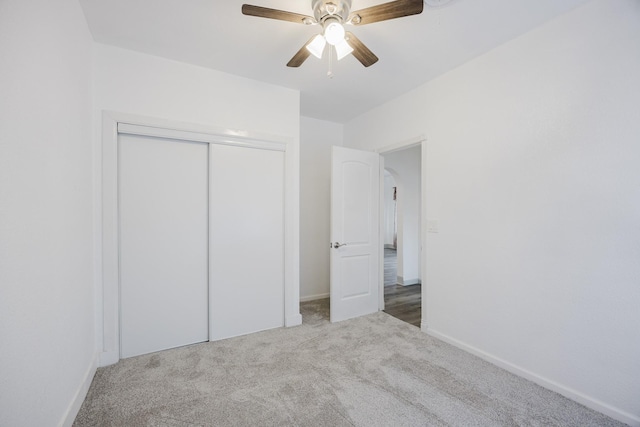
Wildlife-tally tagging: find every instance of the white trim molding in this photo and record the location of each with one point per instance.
(402, 145)
(76, 403)
(568, 392)
(408, 282)
(423, 234)
(221, 139)
(108, 328)
(314, 297)
(419, 140)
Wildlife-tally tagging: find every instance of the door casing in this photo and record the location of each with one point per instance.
(106, 231)
(421, 141)
(413, 142)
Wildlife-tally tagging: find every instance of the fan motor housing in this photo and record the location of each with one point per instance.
(323, 9)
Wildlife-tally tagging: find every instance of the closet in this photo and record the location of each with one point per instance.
(201, 238)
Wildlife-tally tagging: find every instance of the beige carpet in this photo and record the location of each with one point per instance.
(371, 371)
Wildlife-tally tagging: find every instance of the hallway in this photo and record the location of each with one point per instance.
(402, 302)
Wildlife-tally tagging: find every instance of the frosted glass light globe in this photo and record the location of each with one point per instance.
(316, 47)
(334, 33)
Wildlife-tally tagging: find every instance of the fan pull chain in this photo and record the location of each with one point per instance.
(330, 72)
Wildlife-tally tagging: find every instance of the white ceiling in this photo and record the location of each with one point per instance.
(412, 50)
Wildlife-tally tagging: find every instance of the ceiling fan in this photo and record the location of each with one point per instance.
(332, 15)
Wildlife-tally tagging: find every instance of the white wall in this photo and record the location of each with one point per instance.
(46, 292)
(389, 220)
(406, 166)
(316, 139)
(532, 171)
(135, 83)
(144, 85)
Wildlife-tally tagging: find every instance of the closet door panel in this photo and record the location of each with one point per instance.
(163, 215)
(246, 240)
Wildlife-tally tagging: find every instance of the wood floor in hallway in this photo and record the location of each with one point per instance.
(402, 302)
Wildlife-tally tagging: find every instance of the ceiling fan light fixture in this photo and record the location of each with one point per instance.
(343, 49)
(333, 15)
(334, 32)
(331, 8)
(316, 47)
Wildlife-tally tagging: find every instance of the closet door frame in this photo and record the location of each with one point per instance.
(107, 240)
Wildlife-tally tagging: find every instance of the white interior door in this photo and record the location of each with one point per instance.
(355, 233)
(247, 240)
(163, 216)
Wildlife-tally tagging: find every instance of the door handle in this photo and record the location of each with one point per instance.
(336, 245)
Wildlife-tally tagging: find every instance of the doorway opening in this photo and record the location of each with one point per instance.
(402, 234)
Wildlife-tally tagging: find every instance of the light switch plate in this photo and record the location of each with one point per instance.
(432, 226)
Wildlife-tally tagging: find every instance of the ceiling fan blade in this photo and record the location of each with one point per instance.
(265, 12)
(360, 51)
(301, 55)
(386, 11)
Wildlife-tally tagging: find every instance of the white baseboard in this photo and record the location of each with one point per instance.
(408, 282)
(568, 392)
(314, 297)
(74, 407)
(107, 358)
(293, 320)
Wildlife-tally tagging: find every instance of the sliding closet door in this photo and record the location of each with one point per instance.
(247, 243)
(163, 214)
